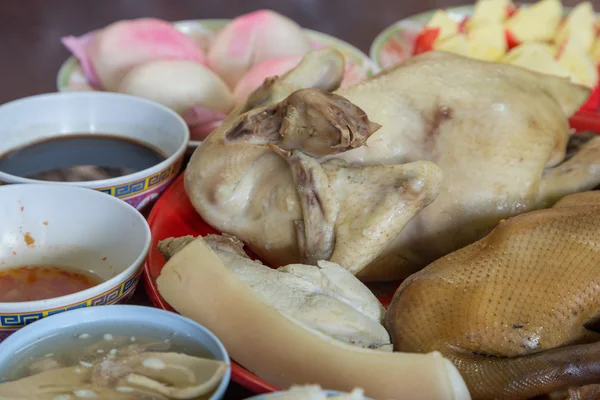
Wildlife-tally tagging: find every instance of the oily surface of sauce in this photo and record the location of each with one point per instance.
(41, 282)
(79, 158)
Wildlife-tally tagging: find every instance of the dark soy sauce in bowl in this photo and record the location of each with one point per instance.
(80, 158)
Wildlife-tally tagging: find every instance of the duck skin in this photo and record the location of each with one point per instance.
(517, 312)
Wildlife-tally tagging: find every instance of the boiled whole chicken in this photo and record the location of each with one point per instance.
(517, 311)
(388, 175)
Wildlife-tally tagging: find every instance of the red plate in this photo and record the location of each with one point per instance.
(586, 120)
(174, 216)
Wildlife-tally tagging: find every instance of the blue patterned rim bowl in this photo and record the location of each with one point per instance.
(49, 334)
(53, 115)
(75, 228)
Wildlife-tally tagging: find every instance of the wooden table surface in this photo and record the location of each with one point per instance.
(31, 52)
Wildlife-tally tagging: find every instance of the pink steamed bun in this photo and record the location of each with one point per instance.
(107, 55)
(258, 73)
(186, 87)
(251, 39)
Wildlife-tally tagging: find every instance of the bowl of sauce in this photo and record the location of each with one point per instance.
(64, 247)
(125, 146)
(42, 282)
(117, 352)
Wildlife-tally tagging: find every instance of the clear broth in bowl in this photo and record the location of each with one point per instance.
(41, 282)
(96, 341)
(80, 158)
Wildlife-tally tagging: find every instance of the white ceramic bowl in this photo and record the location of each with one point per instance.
(96, 321)
(46, 116)
(68, 226)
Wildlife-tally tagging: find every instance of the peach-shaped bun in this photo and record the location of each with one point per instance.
(253, 38)
(256, 75)
(107, 55)
(201, 131)
(80, 46)
(186, 87)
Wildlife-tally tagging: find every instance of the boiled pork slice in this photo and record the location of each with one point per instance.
(326, 298)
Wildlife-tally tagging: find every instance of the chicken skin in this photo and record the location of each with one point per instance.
(388, 175)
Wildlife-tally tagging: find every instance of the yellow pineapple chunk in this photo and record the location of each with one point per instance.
(457, 44)
(579, 26)
(536, 23)
(489, 12)
(440, 19)
(488, 42)
(581, 66)
(595, 51)
(537, 57)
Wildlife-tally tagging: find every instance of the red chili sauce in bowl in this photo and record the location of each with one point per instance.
(41, 282)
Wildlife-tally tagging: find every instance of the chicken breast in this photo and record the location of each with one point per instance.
(516, 312)
(498, 132)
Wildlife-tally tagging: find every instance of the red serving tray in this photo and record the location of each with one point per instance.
(586, 120)
(174, 216)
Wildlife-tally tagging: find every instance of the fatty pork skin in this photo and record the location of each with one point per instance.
(324, 298)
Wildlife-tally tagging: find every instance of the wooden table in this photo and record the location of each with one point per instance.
(31, 52)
